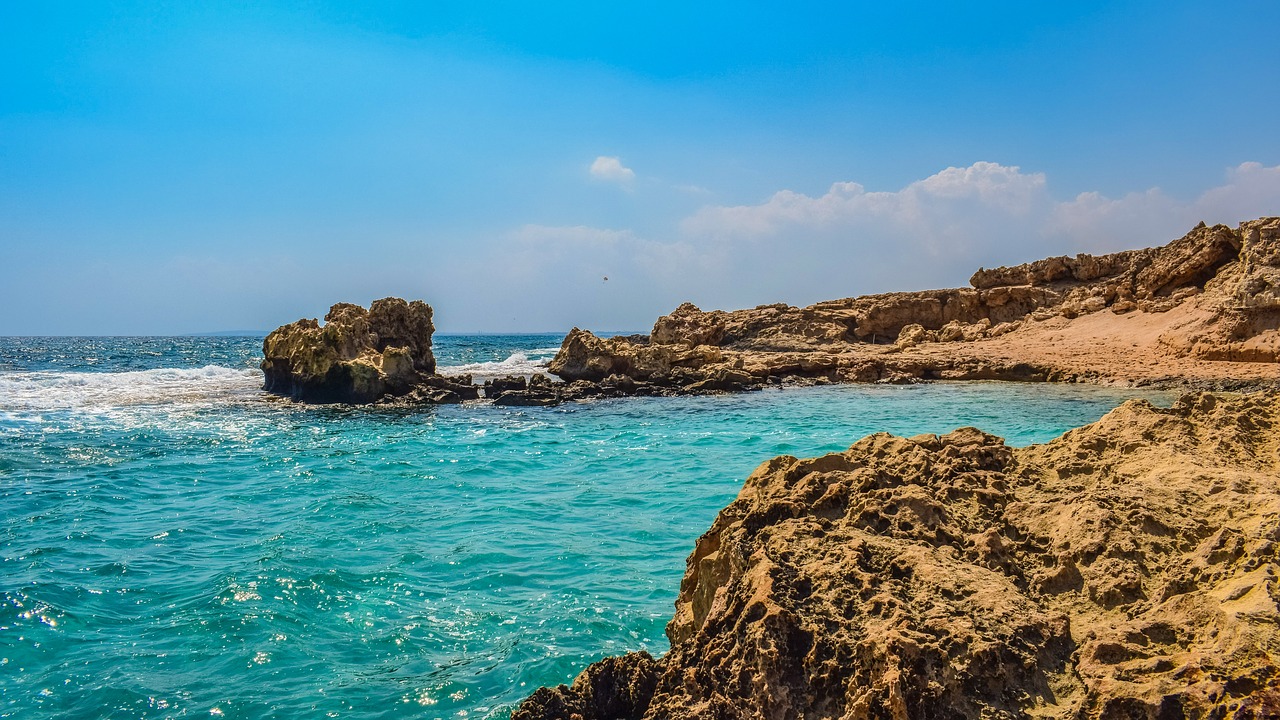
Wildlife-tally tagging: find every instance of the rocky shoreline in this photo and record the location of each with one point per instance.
(1128, 569)
(1200, 312)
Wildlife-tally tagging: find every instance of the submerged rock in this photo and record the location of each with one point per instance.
(1128, 569)
(357, 356)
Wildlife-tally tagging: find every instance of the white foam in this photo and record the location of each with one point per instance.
(27, 392)
(515, 364)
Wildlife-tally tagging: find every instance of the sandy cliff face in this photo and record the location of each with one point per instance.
(1213, 295)
(1128, 569)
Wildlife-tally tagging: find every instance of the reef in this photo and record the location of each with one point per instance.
(1128, 569)
(1203, 308)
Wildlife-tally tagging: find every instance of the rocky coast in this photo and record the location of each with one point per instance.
(1202, 311)
(1128, 569)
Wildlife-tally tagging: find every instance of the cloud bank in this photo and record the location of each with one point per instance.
(797, 248)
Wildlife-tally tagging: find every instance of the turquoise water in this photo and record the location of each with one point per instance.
(175, 544)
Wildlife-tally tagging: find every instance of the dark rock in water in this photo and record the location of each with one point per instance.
(459, 385)
(427, 395)
(616, 687)
(522, 398)
(619, 383)
(496, 386)
(538, 391)
(358, 356)
(436, 390)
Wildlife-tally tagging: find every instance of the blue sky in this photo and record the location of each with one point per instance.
(180, 167)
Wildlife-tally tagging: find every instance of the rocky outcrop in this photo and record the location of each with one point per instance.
(1243, 303)
(1129, 569)
(357, 356)
(1227, 277)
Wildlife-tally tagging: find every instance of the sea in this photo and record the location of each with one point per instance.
(174, 543)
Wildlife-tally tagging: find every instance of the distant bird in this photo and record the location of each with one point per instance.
(606, 278)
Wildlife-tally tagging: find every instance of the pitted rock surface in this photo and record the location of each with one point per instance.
(357, 356)
(1128, 569)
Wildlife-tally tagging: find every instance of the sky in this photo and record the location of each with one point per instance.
(171, 168)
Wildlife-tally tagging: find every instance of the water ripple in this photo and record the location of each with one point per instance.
(224, 555)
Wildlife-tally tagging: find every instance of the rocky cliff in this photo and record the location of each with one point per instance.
(1223, 283)
(1129, 569)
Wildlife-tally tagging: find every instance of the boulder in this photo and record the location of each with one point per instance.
(357, 356)
(914, 334)
(496, 386)
(1127, 569)
(539, 391)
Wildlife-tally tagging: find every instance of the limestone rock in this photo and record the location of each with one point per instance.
(687, 325)
(1128, 569)
(1243, 299)
(1229, 278)
(583, 356)
(496, 386)
(914, 334)
(616, 688)
(358, 356)
(538, 391)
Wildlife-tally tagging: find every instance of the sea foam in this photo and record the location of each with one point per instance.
(47, 390)
(517, 363)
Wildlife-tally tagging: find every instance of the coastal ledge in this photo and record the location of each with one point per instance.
(1128, 569)
(383, 355)
(1201, 311)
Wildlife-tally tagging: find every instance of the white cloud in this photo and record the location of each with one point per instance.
(938, 200)
(611, 169)
(797, 248)
(938, 229)
(1094, 223)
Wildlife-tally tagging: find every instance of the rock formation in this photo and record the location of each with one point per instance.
(1224, 283)
(357, 356)
(1129, 569)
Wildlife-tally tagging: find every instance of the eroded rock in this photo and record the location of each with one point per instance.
(1128, 569)
(1231, 277)
(357, 356)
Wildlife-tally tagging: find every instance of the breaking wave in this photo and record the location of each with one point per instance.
(45, 390)
(515, 364)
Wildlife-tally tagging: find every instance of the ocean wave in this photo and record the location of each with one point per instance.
(518, 363)
(46, 390)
